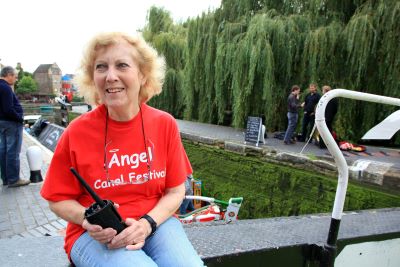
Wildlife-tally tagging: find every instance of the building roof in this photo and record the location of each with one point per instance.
(44, 68)
(66, 78)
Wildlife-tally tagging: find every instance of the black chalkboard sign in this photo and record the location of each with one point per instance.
(50, 135)
(253, 130)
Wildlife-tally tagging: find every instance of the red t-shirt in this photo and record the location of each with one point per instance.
(82, 147)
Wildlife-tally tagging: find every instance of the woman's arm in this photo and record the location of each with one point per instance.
(69, 210)
(72, 211)
(168, 204)
(134, 236)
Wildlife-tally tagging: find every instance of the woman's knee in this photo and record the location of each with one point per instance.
(171, 247)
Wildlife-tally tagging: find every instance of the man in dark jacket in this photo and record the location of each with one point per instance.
(310, 102)
(11, 126)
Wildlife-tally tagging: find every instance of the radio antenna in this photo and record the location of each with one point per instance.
(88, 188)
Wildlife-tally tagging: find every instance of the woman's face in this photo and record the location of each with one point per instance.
(117, 77)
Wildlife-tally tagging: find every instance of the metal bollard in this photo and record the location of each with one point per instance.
(35, 160)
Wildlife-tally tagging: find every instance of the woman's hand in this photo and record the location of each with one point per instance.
(104, 236)
(133, 237)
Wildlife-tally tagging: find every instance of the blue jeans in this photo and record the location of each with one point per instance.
(187, 205)
(292, 123)
(168, 247)
(10, 147)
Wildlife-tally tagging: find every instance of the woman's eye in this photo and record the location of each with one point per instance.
(122, 65)
(100, 67)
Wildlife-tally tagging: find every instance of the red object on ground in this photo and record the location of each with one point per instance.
(344, 145)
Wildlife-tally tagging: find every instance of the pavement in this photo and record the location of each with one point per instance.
(23, 212)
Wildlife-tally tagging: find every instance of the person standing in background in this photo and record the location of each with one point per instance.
(310, 102)
(330, 112)
(11, 127)
(187, 204)
(331, 108)
(293, 114)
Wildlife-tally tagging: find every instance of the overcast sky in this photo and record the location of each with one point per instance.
(38, 32)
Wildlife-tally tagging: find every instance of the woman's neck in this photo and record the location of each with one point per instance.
(123, 114)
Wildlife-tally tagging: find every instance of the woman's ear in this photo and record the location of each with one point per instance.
(143, 79)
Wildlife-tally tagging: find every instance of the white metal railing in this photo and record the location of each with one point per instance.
(331, 144)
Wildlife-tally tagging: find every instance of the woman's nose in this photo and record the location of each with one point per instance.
(112, 75)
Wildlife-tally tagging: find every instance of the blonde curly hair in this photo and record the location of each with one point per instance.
(151, 65)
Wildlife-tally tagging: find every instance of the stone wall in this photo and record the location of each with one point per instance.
(368, 172)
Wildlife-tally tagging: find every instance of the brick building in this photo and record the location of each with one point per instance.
(48, 77)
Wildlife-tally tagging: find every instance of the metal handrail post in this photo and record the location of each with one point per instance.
(329, 253)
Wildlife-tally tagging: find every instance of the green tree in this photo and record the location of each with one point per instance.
(20, 71)
(170, 42)
(159, 20)
(28, 74)
(26, 85)
(242, 59)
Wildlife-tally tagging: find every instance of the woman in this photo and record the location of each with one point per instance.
(127, 152)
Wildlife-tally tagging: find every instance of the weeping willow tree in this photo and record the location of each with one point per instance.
(193, 78)
(225, 52)
(170, 41)
(369, 45)
(242, 59)
(318, 59)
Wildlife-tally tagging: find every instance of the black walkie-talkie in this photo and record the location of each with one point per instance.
(102, 212)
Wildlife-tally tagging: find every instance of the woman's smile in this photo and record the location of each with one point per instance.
(114, 90)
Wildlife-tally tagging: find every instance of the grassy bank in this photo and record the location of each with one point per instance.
(271, 190)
